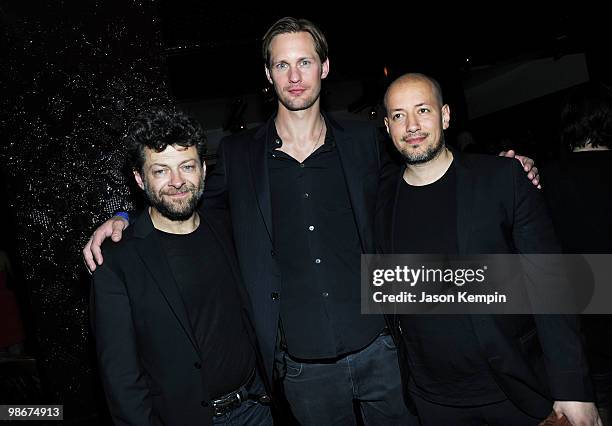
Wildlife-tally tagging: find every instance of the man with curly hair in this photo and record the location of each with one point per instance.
(170, 316)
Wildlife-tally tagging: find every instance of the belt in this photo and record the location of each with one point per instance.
(233, 400)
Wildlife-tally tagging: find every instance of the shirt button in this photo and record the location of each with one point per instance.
(325, 294)
(197, 365)
(274, 295)
(306, 195)
(272, 253)
(311, 228)
(302, 165)
(317, 260)
(277, 141)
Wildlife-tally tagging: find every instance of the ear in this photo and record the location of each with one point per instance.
(386, 120)
(138, 179)
(445, 116)
(324, 69)
(268, 74)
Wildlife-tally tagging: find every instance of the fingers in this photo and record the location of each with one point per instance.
(526, 162)
(118, 227)
(534, 176)
(92, 252)
(97, 239)
(88, 257)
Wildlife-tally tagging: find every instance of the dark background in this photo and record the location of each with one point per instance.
(72, 74)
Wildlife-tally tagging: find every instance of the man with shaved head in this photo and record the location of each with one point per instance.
(446, 202)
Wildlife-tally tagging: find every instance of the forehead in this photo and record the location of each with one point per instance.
(411, 93)
(289, 45)
(173, 154)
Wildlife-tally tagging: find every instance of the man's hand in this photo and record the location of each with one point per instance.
(578, 413)
(113, 228)
(528, 165)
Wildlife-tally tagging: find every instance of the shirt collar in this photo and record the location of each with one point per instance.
(274, 141)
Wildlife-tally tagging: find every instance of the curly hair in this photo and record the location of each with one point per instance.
(159, 127)
(586, 117)
(289, 25)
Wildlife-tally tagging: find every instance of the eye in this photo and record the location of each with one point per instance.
(423, 110)
(281, 66)
(397, 116)
(189, 167)
(305, 62)
(159, 172)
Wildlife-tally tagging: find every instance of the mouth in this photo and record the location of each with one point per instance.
(296, 91)
(414, 140)
(178, 195)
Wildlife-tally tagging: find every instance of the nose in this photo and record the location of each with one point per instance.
(294, 75)
(176, 179)
(412, 124)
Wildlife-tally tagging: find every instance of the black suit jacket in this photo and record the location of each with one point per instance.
(149, 360)
(535, 359)
(241, 182)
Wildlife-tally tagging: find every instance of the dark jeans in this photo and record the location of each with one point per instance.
(369, 380)
(503, 413)
(249, 413)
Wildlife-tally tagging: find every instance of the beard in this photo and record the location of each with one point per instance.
(297, 104)
(178, 210)
(414, 156)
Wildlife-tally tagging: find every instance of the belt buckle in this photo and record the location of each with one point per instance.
(229, 402)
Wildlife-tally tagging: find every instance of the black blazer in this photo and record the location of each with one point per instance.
(241, 182)
(149, 361)
(535, 359)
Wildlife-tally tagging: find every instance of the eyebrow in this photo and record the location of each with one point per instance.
(297, 60)
(414, 106)
(165, 165)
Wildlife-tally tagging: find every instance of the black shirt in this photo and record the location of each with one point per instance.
(318, 250)
(446, 364)
(209, 290)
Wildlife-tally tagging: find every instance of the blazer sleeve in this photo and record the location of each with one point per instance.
(559, 335)
(122, 376)
(215, 192)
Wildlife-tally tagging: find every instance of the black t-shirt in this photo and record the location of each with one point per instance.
(446, 363)
(210, 294)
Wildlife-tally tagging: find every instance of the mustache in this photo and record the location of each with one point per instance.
(182, 190)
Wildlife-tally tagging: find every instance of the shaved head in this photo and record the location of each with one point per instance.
(413, 77)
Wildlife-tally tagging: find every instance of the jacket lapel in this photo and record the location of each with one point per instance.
(386, 212)
(260, 176)
(353, 168)
(152, 255)
(465, 202)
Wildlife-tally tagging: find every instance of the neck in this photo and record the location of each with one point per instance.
(429, 172)
(174, 226)
(299, 127)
